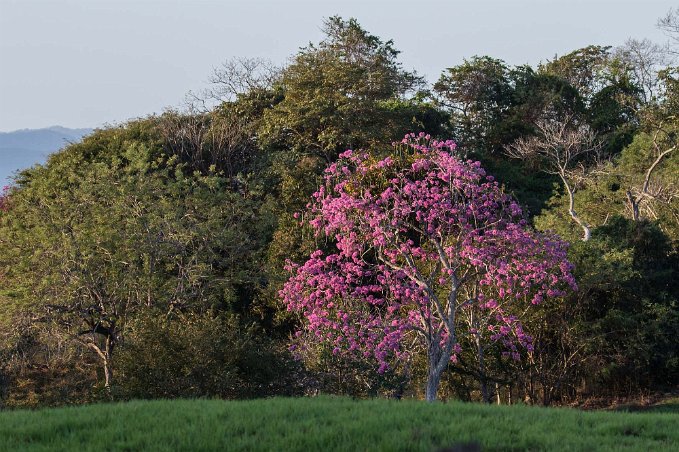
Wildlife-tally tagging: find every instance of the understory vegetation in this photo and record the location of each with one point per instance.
(147, 261)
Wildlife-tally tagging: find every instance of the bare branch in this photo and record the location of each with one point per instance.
(644, 59)
(651, 191)
(240, 75)
(669, 23)
(561, 147)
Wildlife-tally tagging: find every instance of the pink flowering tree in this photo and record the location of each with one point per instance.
(422, 241)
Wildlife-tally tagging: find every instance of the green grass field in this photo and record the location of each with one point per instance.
(326, 423)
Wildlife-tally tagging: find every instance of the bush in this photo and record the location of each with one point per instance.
(40, 368)
(200, 355)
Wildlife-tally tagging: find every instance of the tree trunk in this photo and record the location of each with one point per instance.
(433, 381)
(108, 375)
(482, 370)
(586, 232)
(438, 362)
(91, 339)
(105, 355)
(108, 367)
(634, 204)
(435, 370)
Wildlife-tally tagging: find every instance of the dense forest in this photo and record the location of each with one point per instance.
(147, 260)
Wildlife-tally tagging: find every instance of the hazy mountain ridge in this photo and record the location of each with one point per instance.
(24, 148)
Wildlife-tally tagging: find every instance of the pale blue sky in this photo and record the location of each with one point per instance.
(83, 63)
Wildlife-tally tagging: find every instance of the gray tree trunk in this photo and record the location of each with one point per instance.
(438, 363)
(433, 381)
(482, 371)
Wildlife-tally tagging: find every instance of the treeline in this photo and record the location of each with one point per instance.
(145, 261)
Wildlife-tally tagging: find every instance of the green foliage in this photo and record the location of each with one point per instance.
(606, 195)
(163, 241)
(130, 228)
(332, 424)
(478, 92)
(584, 69)
(113, 225)
(631, 299)
(662, 206)
(617, 333)
(347, 92)
(200, 355)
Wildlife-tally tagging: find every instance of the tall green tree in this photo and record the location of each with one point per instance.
(114, 225)
(348, 91)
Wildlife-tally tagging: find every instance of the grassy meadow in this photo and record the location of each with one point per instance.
(328, 423)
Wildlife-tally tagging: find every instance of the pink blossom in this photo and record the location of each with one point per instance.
(404, 229)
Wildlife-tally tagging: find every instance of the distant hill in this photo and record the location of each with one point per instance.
(24, 148)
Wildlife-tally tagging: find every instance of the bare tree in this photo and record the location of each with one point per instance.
(233, 77)
(644, 197)
(240, 75)
(561, 148)
(644, 59)
(669, 23)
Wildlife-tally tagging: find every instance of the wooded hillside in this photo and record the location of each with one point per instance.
(147, 260)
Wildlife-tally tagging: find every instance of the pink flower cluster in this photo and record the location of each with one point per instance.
(419, 237)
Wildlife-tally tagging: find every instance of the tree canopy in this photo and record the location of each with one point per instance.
(166, 238)
(423, 240)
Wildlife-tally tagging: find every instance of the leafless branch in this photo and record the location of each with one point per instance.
(643, 59)
(669, 23)
(561, 147)
(643, 198)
